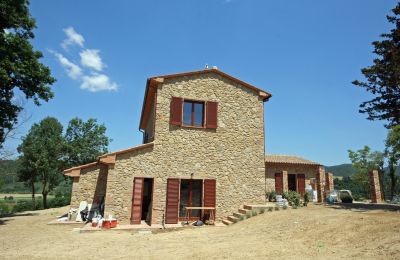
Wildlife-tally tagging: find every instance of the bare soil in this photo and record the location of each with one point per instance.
(317, 232)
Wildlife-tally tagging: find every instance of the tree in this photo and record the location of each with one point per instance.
(383, 77)
(20, 68)
(365, 161)
(85, 141)
(43, 152)
(392, 151)
(27, 172)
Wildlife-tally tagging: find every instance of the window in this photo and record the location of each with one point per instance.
(193, 113)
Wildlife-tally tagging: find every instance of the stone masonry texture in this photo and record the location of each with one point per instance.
(233, 154)
(375, 187)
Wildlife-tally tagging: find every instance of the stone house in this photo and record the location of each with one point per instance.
(203, 146)
(284, 173)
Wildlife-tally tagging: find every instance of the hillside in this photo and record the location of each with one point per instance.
(343, 170)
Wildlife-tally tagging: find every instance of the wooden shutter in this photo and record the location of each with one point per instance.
(301, 183)
(212, 115)
(137, 198)
(176, 110)
(171, 211)
(279, 183)
(209, 193)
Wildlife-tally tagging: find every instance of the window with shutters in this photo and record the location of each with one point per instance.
(193, 113)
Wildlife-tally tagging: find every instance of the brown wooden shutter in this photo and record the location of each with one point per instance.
(176, 110)
(212, 115)
(279, 183)
(137, 198)
(171, 211)
(209, 193)
(301, 183)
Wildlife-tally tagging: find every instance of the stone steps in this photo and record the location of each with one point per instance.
(233, 219)
(242, 212)
(227, 222)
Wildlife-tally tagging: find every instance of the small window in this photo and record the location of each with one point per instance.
(193, 113)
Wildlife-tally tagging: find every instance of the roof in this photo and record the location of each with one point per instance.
(152, 83)
(75, 171)
(289, 159)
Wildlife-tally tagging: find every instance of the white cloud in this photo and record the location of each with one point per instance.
(73, 70)
(97, 82)
(91, 59)
(72, 38)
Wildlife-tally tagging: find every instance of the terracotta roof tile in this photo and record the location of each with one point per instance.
(278, 158)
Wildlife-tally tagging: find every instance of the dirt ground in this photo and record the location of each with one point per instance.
(317, 232)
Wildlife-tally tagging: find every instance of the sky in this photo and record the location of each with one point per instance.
(306, 53)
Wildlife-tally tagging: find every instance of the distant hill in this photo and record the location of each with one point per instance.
(343, 170)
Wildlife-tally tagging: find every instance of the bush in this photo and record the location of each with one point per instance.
(284, 207)
(270, 209)
(242, 217)
(306, 198)
(23, 205)
(4, 209)
(292, 197)
(254, 212)
(271, 196)
(262, 210)
(276, 208)
(248, 214)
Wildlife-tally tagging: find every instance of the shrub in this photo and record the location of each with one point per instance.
(4, 209)
(23, 205)
(292, 197)
(254, 212)
(270, 208)
(262, 210)
(271, 196)
(306, 198)
(276, 208)
(248, 214)
(285, 207)
(242, 217)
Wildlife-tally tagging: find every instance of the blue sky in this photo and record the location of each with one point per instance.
(306, 53)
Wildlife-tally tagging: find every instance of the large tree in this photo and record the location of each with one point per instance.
(85, 141)
(20, 68)
(392, 152)
(364, 161)
(27, 171)
(383, 77)
(43, 150)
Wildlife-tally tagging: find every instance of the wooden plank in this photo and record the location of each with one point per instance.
(137, 200)
(171, 211)
(279, 183)
(301, 183)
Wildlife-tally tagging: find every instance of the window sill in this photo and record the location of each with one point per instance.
(191, 126)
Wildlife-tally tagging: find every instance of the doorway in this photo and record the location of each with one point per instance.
(142, 200)
(292, 182)
(191, 194)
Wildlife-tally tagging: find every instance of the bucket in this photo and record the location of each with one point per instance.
(106, 224)
(113, 223)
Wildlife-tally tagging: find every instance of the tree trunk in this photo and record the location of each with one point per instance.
(44, 199)
(392, 178)
(33, 195)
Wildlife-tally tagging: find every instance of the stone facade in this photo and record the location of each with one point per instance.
(329, 183)
(91, 186)
(309, 171)
(321, 182)
(233, 154)
(375, 187)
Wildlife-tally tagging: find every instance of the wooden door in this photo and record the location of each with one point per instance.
(171, 211)
(301, 183)
(137, 200)
(209, 193)
(279, 183)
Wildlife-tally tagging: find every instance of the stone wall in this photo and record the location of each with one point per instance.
(90, 186)
(271, 168)
(233, 153)
(375, 187)
(321, 184)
